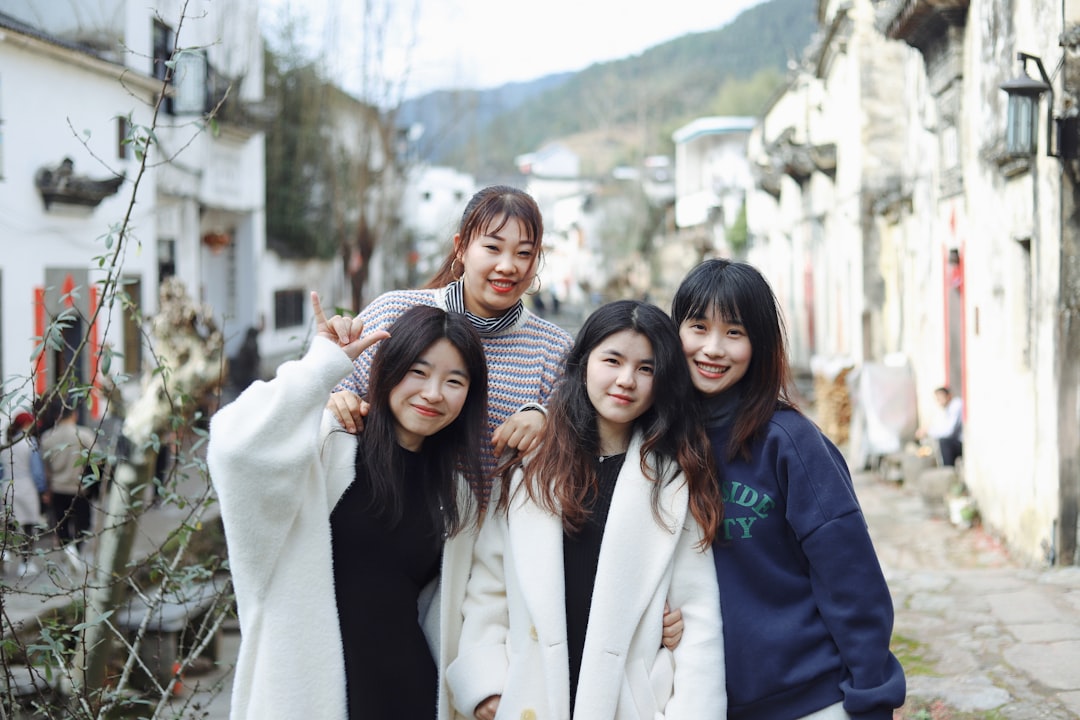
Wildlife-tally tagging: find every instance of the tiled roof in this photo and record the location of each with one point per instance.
(8, 22)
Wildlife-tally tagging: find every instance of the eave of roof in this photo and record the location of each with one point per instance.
(715, 125)
(13, 30)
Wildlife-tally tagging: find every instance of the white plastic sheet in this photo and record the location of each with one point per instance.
(884, 409)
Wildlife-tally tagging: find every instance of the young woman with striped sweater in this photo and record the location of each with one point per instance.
(493, 262)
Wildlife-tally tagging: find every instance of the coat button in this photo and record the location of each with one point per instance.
(535, 637)
(528, 715)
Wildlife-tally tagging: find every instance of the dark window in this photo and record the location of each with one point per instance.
(1028, 300)
(166, 259)
(132, 328)
(121, 138)
(163, 51)
(163, 47)
(288, 308)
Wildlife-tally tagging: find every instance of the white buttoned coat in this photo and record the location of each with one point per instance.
(513, 640)
(279, 463)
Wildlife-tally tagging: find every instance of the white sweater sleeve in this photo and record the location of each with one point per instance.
(700, 687)
(264, 458)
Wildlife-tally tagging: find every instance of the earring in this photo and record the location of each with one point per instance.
(530, 291)
(452, 273)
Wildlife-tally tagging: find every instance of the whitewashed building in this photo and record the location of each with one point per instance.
(711, 182)
(986, 247)
(894, 220)
(712, 175)
(70, 160)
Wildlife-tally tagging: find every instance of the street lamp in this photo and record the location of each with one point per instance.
(1021, 135)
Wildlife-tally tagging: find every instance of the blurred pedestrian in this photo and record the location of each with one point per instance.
(67, 449)
(20, 491)
(244, 366)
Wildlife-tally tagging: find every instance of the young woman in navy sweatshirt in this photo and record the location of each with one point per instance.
(807, 613)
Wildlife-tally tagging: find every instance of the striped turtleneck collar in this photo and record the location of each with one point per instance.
(455, 302)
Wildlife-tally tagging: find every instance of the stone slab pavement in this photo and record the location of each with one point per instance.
(980, 634)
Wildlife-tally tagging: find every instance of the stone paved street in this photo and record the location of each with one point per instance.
(979, 635)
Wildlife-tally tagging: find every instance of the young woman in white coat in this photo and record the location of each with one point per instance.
(606, 522)
(337, 544)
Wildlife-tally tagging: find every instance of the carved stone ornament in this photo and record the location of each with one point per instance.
(60, 184)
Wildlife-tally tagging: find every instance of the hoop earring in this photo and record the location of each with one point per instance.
(539, 283)
(452, 273)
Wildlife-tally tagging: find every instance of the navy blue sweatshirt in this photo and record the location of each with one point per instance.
(807, 613)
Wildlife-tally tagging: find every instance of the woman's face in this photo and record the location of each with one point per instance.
(619, 380)
(431, 395)
(717, 351)
(498, 268)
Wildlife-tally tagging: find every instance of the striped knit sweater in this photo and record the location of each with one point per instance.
(524, 361)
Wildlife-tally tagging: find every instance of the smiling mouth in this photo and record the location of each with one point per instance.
(426, 412)
(502, 285)
(622, 398)
(711, 370)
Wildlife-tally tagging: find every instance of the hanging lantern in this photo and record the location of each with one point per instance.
(1021, 124)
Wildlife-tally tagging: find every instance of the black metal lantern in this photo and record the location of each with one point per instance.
(1021, 125)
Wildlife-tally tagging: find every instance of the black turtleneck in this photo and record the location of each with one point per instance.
(581, 553)
(379, 571)
(721, 409)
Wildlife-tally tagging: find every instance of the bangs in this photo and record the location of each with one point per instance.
(720, 303)
(493, 215)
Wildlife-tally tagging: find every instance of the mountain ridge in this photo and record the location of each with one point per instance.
(631, 105)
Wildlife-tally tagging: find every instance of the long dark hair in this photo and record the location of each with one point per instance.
(497, 202)
(454, 449)
(738, 292)
(562, 474)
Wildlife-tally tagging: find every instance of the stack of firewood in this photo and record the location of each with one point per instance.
(833, 405)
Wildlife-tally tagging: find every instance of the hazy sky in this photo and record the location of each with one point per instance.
(485, 43)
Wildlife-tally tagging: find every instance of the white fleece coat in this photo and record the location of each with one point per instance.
(280, 463)
(514, 643)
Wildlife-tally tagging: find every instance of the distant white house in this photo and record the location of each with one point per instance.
(711, 181)
(431, 210)
(553, 174)
(68, 173)
(712, 174)
(571, 268)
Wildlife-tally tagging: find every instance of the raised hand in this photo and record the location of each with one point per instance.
(346, 332)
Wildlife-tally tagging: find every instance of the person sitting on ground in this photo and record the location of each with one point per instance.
(948, 428)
